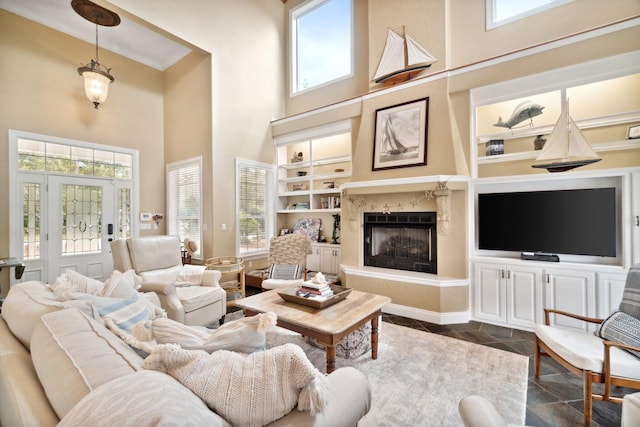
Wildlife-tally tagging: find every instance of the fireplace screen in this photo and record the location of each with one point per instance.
(403, 241)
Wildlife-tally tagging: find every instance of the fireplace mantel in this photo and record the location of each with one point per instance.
(404, 185)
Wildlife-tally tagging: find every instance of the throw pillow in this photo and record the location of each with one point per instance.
(247, 390)
(285, 271)
(71, 281)
(622, 328)
(630, 303)
(121, 285)
(245, 335)
(125, 312)
(82, 283)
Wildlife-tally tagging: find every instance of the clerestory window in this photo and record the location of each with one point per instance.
(321, 43)
(500, 12)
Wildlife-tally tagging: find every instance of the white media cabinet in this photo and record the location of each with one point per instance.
(508, 291)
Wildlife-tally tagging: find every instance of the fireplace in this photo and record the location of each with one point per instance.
(402, 241)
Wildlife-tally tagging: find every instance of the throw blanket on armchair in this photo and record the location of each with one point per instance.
(246, 389)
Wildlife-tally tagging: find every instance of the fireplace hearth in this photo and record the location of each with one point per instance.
(401, 241)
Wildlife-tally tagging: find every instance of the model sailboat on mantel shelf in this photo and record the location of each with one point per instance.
(566, 147)
(402, 59)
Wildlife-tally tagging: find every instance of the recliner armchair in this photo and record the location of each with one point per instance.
(157, 259)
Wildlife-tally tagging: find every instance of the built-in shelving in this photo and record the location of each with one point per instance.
(310, 172)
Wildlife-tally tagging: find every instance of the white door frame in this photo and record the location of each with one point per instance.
(38, 270)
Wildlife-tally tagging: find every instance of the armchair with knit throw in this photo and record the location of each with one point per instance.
(610, 356)
(287, 261)
(189, 294)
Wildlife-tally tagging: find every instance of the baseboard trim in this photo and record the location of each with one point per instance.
(426, 315)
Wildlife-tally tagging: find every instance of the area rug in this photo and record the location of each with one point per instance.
(419, 377)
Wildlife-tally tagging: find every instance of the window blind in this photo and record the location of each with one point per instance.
(254, 206)
(184, 200)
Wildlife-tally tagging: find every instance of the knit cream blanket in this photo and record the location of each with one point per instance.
(246, 389)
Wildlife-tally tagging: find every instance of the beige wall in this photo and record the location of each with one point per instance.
(470, 42)
(42, 93)
(187, 125)
(245, 39)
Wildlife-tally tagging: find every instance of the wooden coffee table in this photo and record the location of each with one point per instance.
(328, 326)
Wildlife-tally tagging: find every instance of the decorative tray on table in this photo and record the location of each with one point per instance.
(295, 295)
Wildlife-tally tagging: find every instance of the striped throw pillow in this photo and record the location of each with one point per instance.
(622, 328)
(285, 271)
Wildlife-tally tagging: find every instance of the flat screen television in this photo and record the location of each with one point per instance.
(576, 222)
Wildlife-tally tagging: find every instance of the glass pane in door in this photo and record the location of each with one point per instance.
(31, 221)
(81, 219)
(124, 213)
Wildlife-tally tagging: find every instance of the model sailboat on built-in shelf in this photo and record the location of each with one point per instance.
(566, 147)
(402, 59)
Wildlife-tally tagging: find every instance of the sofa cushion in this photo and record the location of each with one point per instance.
(73, 355)
(622, 328)
(586, 351)
(141, 399)
(27, 302)
(22, 399)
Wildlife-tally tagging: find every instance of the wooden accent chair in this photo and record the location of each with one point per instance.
(604, 357)
(287, 261)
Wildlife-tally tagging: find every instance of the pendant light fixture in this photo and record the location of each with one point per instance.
(96, 76)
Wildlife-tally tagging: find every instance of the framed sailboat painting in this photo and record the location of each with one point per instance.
(400, 138)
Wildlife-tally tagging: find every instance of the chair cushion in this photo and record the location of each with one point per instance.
(630, 303)
(195, 297)
(622, 328)
(285, 271)
(586, 351)
(279, 283)
(139, 399)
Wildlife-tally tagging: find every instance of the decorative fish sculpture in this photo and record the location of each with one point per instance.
(523, 111)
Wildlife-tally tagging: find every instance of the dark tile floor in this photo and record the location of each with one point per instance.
(553, 400)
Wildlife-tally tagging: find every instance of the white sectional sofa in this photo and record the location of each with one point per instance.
(59, 366)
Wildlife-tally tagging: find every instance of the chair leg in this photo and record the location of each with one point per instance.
(588, 398)
(536, 356)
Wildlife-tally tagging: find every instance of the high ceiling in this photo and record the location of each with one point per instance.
(128, 39)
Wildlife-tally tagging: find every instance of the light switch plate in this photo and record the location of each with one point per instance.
(145, 216)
